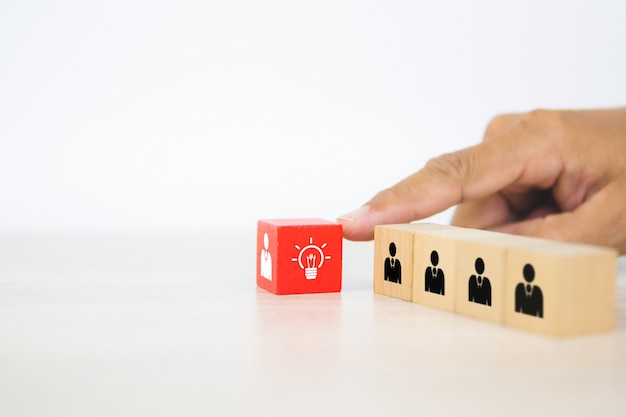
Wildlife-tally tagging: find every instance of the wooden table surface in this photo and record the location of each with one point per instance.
(173, 325)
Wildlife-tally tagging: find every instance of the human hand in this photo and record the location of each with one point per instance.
(554, 174)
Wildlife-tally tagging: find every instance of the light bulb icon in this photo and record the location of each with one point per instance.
(311, 258)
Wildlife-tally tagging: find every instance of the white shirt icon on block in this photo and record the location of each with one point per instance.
(266, 259)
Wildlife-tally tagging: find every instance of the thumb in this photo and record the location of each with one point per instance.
(597, 221)
(465, 175)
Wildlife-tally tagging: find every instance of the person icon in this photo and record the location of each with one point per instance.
(266, 258)
(434, 280)
(479, 287)
(528, 297)
(393, 269)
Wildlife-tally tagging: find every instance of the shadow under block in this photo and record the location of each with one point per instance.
(393, 258)
(481, 276)
(298, 256)
(560, 289)
(435, 265)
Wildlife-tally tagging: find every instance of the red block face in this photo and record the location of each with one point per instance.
(298, 256)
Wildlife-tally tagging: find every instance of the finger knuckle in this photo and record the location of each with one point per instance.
(542, 120)
(449, 165)
(546, 129)
(497, 125)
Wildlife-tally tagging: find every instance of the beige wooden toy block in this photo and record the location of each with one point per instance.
(434, 263)
(560, 289)
(393, 258)
(481, 276)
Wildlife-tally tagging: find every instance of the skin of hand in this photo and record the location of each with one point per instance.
(554, 174)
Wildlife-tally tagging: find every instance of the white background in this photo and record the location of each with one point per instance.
(197, 115)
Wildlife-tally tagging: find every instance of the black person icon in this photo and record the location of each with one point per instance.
(393, 269)
(479, 290)
(434, 280)
(529, 298)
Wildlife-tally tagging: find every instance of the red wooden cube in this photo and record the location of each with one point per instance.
(299, 256)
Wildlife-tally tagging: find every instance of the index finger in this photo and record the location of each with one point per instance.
(462, 176)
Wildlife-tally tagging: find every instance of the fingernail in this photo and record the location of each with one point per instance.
(353, 216)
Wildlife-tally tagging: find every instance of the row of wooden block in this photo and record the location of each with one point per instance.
(534, 284)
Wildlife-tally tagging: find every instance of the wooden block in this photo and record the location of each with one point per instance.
(560, 289)
(481, 275)
(393, 258)
(297, 256)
